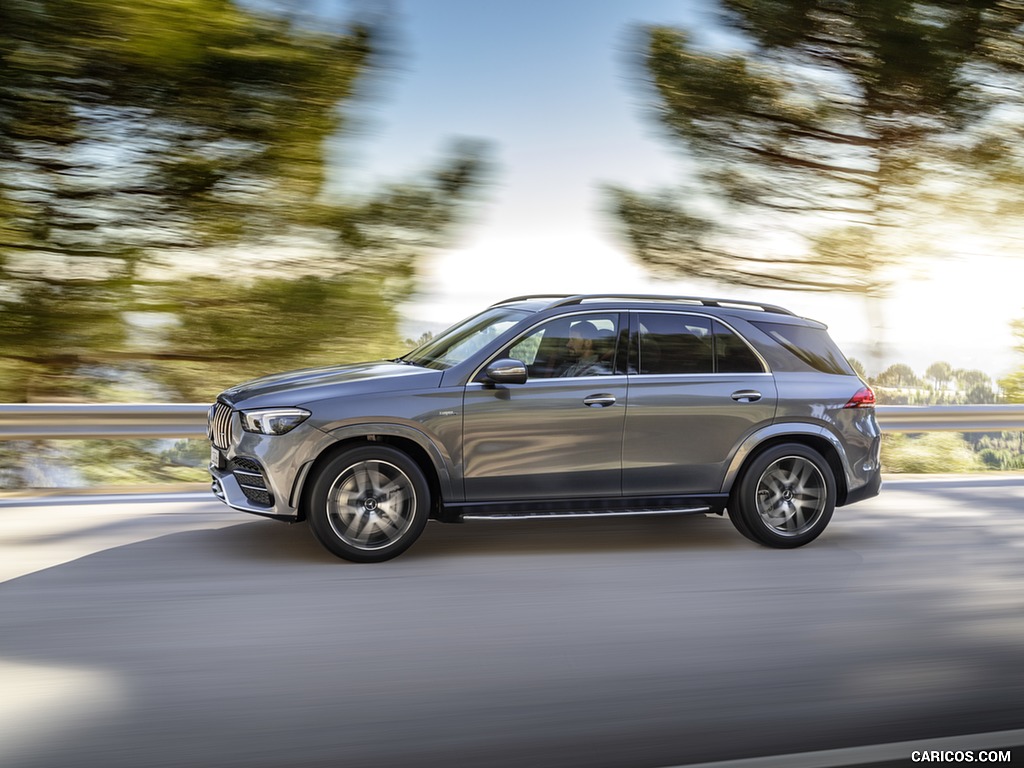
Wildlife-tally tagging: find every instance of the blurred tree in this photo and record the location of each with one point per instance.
(940, 374)
(858, 367)
(980, 394)
(828, 147)
(899, 375)
(420, 340)
(977, 386)
(1012, 385)
(142, 142)
(967, 379)
(899, 385)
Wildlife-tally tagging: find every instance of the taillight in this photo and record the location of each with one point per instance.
(864, 398)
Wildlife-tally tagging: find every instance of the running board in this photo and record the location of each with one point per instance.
(568, 515)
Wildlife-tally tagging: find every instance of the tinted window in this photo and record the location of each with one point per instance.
(677, 343)
(671, 343)
(733, 354)
(579, 345)
(812, 348)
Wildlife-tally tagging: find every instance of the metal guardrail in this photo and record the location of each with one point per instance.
(126, 421)
(950, 418)
(141, 421)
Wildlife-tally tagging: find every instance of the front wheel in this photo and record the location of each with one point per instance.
(369, 504)
(785, 497)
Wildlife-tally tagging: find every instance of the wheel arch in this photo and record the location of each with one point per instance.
(416, 446)
(818, 439)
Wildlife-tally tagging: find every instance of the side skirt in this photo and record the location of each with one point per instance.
(574, 508)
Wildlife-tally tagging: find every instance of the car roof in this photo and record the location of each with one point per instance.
(539, 302)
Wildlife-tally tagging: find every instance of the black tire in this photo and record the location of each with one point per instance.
(369, 504)
(737, 519)
(785, 497)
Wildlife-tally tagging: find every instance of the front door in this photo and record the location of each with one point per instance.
(560, 434)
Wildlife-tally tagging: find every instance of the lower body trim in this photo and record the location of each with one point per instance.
(567, 515)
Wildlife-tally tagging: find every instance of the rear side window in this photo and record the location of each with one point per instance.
(733, 354)
(675, 344)
(672, 343)
(813, 349)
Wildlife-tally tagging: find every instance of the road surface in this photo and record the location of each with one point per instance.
(180, 633)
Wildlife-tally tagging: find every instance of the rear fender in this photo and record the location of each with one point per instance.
(775, 432)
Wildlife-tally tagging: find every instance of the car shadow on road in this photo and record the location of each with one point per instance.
(272, 541)
(584, 535)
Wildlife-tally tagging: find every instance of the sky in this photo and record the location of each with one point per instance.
(548, 86)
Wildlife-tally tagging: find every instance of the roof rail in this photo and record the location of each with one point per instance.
(566, 300)
(533, 296)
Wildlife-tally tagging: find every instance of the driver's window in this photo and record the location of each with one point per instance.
(566, 347)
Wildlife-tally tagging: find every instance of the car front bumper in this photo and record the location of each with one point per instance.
(263, 474)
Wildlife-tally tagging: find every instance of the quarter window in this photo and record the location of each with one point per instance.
(811, 348)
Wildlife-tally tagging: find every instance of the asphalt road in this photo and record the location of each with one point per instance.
(183, 634)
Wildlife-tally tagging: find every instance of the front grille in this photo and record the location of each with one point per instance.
(249, 475)
(219, 426)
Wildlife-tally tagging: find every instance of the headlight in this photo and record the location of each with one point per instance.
(273, 421)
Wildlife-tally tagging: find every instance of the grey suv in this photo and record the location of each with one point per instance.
(557, 406)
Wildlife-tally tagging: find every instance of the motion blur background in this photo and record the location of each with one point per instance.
(197, 192)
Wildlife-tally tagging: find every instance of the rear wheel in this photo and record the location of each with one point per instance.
(785, 496)
(369, 504)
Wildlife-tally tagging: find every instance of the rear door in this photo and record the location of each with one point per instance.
(696, 390)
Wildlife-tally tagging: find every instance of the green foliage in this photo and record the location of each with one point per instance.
(844, 131)
(898, 375)
(858, 367)
(999, 450)
(138, 462)
(97, 463)
(10, 466)
(203, 115)
(1013, 387)
(945, 451)
(147, 142)
(934, 452)
(273, 324)
(944, 385)
(1001, 459)
(1013, 384)
(44, 328)
(939, 374)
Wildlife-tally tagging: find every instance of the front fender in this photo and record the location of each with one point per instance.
(434, 449)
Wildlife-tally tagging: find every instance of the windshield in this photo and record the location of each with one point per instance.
(462, 340)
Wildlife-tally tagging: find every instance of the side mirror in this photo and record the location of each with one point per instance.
(506, 371)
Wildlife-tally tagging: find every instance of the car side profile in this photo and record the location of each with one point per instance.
(560, 406)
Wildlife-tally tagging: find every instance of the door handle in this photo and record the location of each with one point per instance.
(746, 396)
(599, 401)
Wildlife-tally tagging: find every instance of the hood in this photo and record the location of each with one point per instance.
(311, 384)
